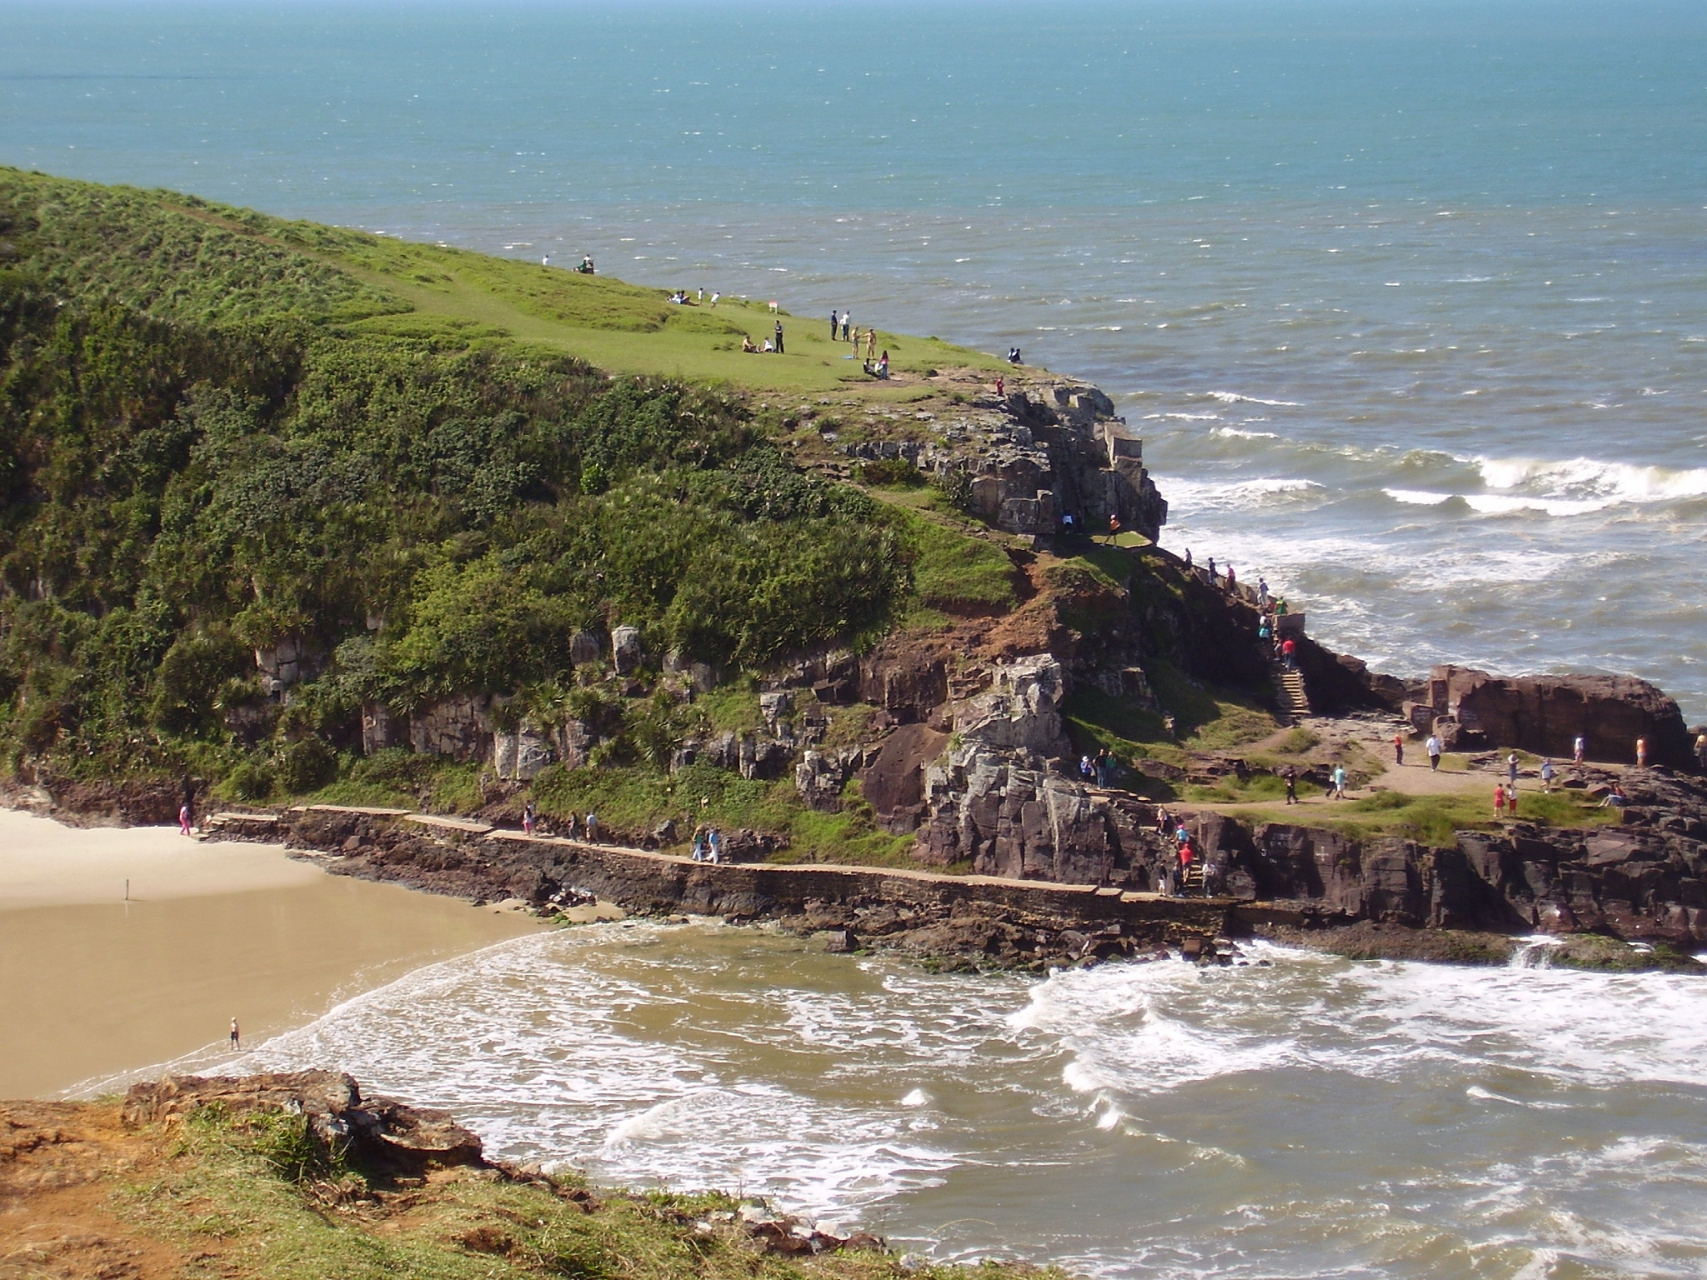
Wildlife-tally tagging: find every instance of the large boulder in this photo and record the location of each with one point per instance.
(1545, 714)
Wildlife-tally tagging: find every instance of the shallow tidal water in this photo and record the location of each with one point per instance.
(1313, 1117)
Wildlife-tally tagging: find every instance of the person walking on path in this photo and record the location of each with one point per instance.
(1338, 790)
(592, 828)
(1398, 748)
(1433, 749)
(1291, 776)
(527, 818)
(1579, 749)
(1641, 753)
(184, 818)
(714, 845)
(236, 1035)
(779, 337)
(1547, 774)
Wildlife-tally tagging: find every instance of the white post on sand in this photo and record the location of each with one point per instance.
(127, 890)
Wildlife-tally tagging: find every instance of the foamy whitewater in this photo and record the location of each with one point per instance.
(1313, 1117)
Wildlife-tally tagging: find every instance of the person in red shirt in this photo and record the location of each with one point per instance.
(1289, 651)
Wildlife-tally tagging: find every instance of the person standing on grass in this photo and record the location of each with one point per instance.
(1339, 782)
(779, 337)
(1547, 774)
(1499, 801)
(1511, 771)
(871, 344)
(1291, 776)
(1433, 749)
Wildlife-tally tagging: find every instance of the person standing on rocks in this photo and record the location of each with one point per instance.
(1579, 749)
(1641, 753)
(1701, 748)
(1511, 771)
(1232, 582)
(1262, 594)
(1433, 749)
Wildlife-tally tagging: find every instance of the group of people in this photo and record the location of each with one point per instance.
(1099, 768)
(707, 844)
(773, 344)
(1187, 853)
(681, 299)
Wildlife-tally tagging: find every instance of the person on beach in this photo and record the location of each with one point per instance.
(236, 1035)
(184, 818)
(1579, 749)
(1499, 801)
(1641, 753)
(527, 818)
(1546, 774)
(779, 349)
(1338, 789)
(592, 828)
(1433, 749)
(1398, 748)
(1291, 776)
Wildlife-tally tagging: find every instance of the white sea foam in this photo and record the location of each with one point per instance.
(1239, 495)
(1234, 397)
(1240, 433)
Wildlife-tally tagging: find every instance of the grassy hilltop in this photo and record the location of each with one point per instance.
(220, 432)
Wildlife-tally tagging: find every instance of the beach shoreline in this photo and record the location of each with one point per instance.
(96, 989)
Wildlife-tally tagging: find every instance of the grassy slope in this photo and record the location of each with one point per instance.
(619, 327)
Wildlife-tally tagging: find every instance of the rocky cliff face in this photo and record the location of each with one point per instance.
(1471, 709)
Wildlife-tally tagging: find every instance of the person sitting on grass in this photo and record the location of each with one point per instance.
(747, 343)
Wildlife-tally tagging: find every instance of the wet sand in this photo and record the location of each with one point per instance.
(93, 988)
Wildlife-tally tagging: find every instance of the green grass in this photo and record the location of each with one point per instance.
(1431, 819)
(955, 572)
(223, 1198)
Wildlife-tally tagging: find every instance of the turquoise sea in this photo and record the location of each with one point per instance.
(1408, 299)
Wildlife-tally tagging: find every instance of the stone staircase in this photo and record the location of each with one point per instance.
(1289, 688)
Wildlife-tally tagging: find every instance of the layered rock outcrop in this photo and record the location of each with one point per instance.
(1546, 714)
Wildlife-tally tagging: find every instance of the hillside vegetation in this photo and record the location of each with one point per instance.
(428, 469)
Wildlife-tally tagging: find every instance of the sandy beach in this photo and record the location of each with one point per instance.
(93, 987)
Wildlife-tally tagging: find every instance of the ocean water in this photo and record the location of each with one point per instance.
(1408, 299)
(1311, 1118)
